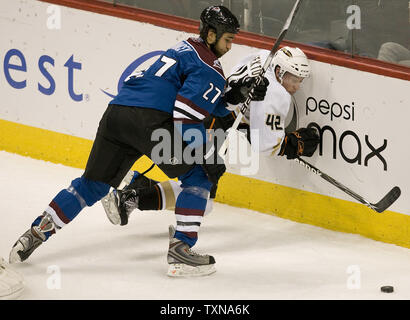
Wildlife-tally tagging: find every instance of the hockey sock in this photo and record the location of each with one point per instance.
(150, 199)
(189, 211)
(160, 196)
(190, 204)
(68, 203)
(139, 181)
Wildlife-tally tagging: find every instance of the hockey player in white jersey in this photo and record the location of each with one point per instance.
(265, 118)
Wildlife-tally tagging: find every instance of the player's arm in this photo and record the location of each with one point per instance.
(302, 142)
(273, 140)
(241, 80)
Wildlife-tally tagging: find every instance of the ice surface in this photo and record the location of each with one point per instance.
(258, 256)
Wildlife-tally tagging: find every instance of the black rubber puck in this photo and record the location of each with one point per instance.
(388, 289)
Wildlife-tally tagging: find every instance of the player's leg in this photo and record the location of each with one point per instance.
(149, 195)
(107, 164)
(137, 191)
(141, 193)
(64, 207)
(189, 210)
(120, 203)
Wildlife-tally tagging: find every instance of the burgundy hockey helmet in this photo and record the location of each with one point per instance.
(220, 19)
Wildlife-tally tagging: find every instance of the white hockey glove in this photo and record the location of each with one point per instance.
(250, 70)
(241, 81)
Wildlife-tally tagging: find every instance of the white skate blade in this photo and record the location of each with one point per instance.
(184, 270)
(11, 282)
(111, 210)
(14, 256)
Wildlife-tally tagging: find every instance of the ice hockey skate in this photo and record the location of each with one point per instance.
(31, 240)
(184, 262)
(119, 204)
(11, 282)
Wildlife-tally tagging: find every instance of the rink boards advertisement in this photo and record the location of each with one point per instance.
(62, 66)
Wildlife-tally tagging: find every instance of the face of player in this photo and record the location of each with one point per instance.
(223, 45)
(291, 82)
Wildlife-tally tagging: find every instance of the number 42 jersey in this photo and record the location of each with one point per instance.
(186, 81)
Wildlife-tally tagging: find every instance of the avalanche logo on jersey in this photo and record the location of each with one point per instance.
(217, 64)
(182, 47)
(131, 69)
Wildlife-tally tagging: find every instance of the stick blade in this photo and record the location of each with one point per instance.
(388, 200)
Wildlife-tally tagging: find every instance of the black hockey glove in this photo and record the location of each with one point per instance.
(224, 123)
(302, 142)
(212, 194)
(213, 165)
(241, 88)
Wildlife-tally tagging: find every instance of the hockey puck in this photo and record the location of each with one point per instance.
(387, 289)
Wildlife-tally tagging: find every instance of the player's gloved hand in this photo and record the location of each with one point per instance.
(213, 165)
(212, 194)
(302, 142)
(242, 88)
(242, 80)
(224, 123)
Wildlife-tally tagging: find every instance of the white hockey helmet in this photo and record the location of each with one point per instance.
(291, 60)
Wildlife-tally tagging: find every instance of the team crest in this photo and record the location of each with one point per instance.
(287, 52)
(217, 64)
(182, 47)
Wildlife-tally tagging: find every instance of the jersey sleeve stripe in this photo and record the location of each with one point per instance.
(185, 121)
(180, 114)
(189, 105)
(187, 110)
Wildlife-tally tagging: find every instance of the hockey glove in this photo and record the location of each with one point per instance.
(212, 194)
(241, 89)
(224, 123)
(241, 81)
(302, 142)
(213, 164)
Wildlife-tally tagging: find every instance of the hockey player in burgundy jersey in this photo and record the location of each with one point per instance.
(288, 69)
(174, 95)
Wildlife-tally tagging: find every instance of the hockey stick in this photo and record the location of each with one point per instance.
(245, 105)
(380, 206)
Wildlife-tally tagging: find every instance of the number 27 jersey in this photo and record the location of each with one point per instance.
(186, 81)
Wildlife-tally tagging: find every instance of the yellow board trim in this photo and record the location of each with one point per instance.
(57, 147)
(315, 209)
(289, 203)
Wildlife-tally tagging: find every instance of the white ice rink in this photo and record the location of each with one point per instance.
(258, 256)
